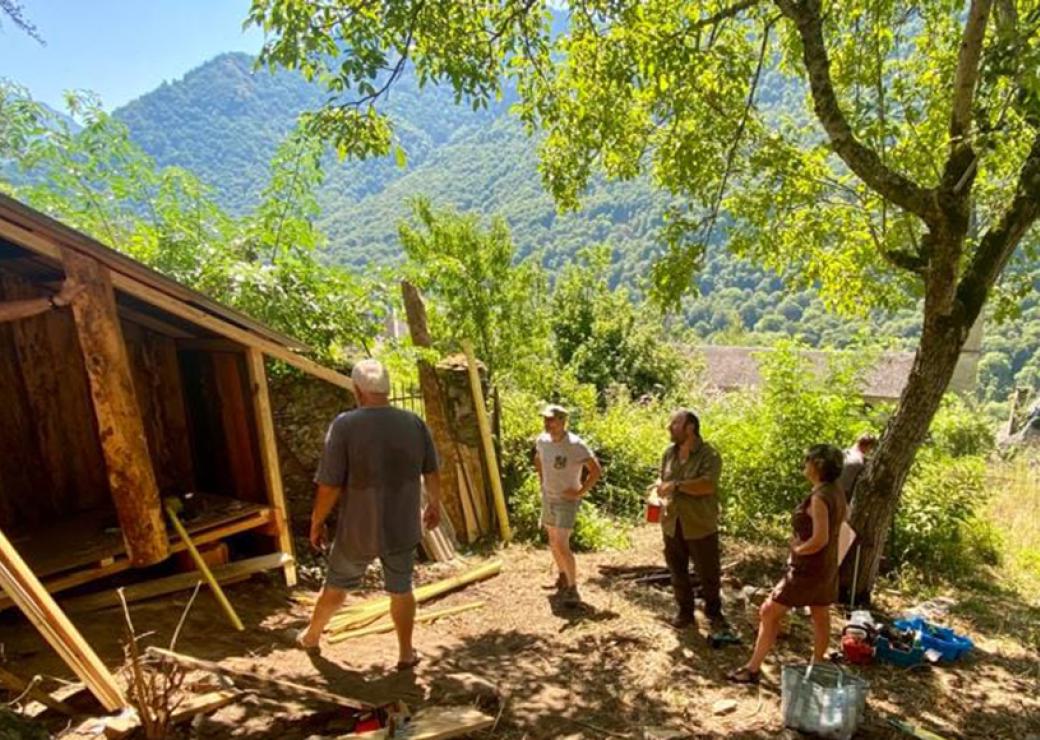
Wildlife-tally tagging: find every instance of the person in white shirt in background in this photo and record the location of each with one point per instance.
(567, 471)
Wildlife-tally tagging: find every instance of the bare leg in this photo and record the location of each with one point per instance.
(821, 626)
(329, 601)
(402, 612)
(560, 541)
(769, 619)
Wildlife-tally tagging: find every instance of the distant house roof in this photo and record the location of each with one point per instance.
(736, 368)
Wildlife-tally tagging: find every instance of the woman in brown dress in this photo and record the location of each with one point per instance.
(812, 568)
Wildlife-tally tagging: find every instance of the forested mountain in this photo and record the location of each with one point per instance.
(224, 120)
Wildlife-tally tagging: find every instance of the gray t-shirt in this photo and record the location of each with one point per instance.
(377, 455)
(562, 463)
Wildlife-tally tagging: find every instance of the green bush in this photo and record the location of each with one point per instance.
(938, 527)
(762, 436)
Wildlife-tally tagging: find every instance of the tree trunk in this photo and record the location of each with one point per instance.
(878, 490)
(436, 413)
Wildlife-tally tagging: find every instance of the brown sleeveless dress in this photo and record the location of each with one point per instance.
(812, 580)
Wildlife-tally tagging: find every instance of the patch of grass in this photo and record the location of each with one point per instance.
(1014, 509)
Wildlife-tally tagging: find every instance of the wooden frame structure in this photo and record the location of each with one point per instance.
(144, 389)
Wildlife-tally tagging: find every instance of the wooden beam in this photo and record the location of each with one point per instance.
(434, 723)
(29, 594)
(488, 443)
(229, 573)
(131, 476)
(211, 345)
(262, 685)
(261, 399)
(150, 322)
(436, 415)
(183, 310)
(19, 684)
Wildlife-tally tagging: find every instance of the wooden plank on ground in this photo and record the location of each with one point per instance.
(19, 684)
(262, 414)
(263, 685)
(236, 570)
(116, 728)
(28, 593)
(435, 723)
(131, 476)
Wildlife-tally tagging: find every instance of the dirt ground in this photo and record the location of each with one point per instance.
(610, 669)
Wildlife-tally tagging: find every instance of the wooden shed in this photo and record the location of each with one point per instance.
(142, 389)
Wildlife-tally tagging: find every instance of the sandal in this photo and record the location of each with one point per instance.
(407, 665)
(745, 675)
(296, 636)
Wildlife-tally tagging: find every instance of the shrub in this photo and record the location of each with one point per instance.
(762, 436)
(938, 527)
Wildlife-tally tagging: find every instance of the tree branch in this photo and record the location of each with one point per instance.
(1001, 240)
(862, 160)
(968, 72)
(714, 19)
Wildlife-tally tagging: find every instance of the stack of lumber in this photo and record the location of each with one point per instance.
(25, 589)
(354, 617)
(386, 625)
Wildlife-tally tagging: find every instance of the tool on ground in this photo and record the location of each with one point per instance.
(173, 506)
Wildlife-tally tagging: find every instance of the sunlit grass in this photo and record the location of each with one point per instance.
(1015, 510)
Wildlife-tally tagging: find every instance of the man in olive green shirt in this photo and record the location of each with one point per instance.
(687, 485)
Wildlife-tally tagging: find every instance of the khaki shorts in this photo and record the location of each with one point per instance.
(346, 573)
(559, 513)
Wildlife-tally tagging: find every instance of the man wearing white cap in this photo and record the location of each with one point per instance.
(561, 458)
(374, 459)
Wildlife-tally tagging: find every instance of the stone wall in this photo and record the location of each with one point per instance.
(303, 407)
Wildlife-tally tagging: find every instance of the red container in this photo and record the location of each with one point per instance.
(653, 511)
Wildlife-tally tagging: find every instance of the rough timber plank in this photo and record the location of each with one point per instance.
(131, 476)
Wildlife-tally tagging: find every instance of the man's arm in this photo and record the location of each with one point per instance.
(696, 487)
(324, 502)
(432, 515)
(538, 467)
(595, 471)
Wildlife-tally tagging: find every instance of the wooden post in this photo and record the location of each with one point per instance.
(487, 442)
(25, 589)
(436, 414)
(131, 477)
(269, 457)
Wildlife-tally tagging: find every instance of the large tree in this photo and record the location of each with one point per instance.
(883, 151)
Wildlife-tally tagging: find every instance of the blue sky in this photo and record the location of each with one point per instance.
(119, 49)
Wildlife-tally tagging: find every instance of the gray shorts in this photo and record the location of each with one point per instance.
(346, 573)
(559, 513)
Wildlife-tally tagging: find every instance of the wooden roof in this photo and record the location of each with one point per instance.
(27, 228)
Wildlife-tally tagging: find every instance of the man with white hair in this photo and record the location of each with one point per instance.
(373, 461)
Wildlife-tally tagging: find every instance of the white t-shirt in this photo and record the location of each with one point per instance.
(562, 463)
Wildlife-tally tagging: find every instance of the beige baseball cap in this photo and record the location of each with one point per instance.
(554, 411)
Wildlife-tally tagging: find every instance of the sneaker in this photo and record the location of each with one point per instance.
(571, 597)
(682, 620)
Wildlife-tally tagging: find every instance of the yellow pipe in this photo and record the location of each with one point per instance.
(201, 564)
